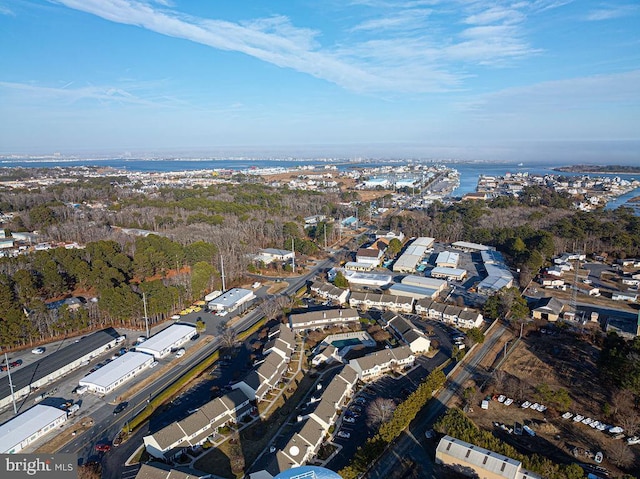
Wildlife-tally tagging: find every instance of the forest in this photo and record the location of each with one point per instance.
(195, 227)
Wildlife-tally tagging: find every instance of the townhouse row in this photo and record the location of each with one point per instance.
(460, 317)
(196, 428)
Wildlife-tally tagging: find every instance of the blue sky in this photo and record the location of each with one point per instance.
(439, 77)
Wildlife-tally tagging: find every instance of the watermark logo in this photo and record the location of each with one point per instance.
(47, 466)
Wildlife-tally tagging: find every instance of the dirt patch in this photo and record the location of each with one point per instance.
(56, 442)
(538, 369)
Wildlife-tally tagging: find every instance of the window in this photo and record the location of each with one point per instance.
(504, 465)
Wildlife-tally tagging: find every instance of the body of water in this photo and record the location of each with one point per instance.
(469, 171)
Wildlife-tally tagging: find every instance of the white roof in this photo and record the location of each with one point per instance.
(232, 297)
(412, 291)
(26, 424)
(414, 280)
(448, 271)
(481, 458)
(166, 338)
(424, 241)
(110, 373)
(448, 257)
(473, 246)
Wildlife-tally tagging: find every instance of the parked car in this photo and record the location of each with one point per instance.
(360, 400)
(180, 352)
(349, 419)
(153, 364)
(120, 407)
(356, 408)
(38, 351)
(344, 434)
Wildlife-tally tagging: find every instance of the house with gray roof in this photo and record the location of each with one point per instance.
(194, 429)
(385, 302)
(406, 331)
(373, 365)
(323, 318)
(329, 292)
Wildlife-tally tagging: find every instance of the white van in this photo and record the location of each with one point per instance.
(73, 409)
(82, 389)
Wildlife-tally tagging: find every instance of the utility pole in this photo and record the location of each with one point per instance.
(325, 235)
(293, 250)
(13, 398)
(224, 288)
(146, 318)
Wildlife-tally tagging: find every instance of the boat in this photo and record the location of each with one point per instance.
(534, 406)
(567, 415)
(594, 424)
(587, 421)
(501, 398)
(598, 457)
(601, 427)
(525, 405)
(508, 402)
(520, 164)
(616, 430)
(633, 440)
(542, 408)
(529, 431)
(578, 418)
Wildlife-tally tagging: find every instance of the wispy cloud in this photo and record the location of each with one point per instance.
(612, 12)
(32, 93)
(4, 10)
(553, 97)
(409, 19)
(407, 46)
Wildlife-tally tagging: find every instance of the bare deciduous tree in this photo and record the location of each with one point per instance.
(620, 454)
(380, 411)
(227, 335)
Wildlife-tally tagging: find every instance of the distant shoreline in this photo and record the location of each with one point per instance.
(600, 169)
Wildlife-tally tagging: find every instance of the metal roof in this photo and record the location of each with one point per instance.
(116, 369)
(166, 338)
(33, 372)
(24, 425)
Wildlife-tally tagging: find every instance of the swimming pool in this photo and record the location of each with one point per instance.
(341, 343)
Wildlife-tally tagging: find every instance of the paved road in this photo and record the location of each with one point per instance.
(107, 425)
(412, 443)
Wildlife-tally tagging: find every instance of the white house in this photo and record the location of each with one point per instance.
(407, 332)
(373, 365)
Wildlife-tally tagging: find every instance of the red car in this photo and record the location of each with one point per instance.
(13, 364)
(103, 447)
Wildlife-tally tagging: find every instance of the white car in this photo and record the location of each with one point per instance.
(38, 351)
(180, 352)
(344, 434)
(349, 419)
(153, 364)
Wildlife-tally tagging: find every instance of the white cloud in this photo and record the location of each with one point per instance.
(618, 90)
(4, 10)
(408, 19)
(122, 94)
(400, 49)
(611, 13)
